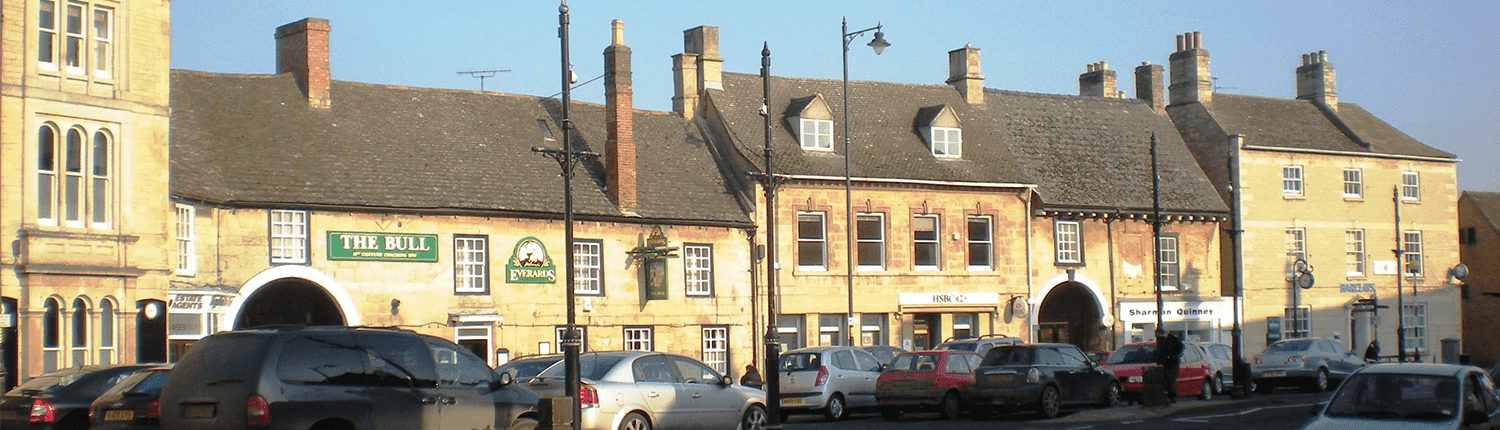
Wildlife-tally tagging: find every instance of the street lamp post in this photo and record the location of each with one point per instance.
(772, 341)
(878, 44)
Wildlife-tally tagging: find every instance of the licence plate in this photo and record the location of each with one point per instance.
(1002, 379)
(198, 411)
(119, 415)
(791, 401)
(1275, 373)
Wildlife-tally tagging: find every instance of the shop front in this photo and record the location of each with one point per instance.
(1193, 321)
(929, 319)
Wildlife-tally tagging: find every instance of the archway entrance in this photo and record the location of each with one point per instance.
(289, 301)
(1070, 314)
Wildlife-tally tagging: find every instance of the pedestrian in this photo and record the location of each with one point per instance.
(1169, 357)
(752, 377)
(1372, 352)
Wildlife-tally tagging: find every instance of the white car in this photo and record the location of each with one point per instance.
(1411, 396)
(1220, 364)
(827, 379)
(645, 390)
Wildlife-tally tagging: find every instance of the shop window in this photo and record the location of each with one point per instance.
(831, 330)
(1298, 323)
(79, 341)
(716, 348)
(872, 329)
(789, 330)
(1414, 315)
(638, 339)
(107, 335)
(52, 335)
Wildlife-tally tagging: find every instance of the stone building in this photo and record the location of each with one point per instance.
(1327, 183)
(83, 138)
(1479, 249)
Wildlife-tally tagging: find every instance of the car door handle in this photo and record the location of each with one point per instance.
(447, 400)
(697, 395)
(651, 394)
(429, 400)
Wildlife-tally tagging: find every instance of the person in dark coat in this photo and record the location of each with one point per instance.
(1169, 356)
(752, 377)
(1372, 352)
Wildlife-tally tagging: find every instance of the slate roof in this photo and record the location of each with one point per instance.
(887, 141)
(1488, 205)
(1092, 152)
(1301, 124)
(251, 140)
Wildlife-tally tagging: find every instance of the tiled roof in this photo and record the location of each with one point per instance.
(252, 140)
(1301, 124)
(1096, 152)
(1488, 205)
(885, 132)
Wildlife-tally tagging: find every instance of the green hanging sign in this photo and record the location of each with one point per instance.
(368, 246)
(530, 264)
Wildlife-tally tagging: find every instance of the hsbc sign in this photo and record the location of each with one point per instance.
(953, 298)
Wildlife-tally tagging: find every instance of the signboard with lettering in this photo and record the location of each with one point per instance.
(954, 298)
(365, 246)
(530, 264)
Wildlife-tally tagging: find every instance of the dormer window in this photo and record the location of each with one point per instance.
(812, 121)
(817, 134)
(939, 127)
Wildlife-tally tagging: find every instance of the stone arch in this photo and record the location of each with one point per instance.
(1072, 310)
(316, 299)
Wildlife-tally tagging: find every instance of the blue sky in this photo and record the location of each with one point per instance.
(1430, 68)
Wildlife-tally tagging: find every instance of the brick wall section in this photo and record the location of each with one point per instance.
(620, 144)
(302, 48)
(1481, 328)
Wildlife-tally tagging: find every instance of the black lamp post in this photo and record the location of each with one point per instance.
(878, 44)
(772, 340)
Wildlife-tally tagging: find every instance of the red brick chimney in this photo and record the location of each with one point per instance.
(302, 48)
(1191, 81)
(1315, 80)
(619, 146)
(1097, 81)
(1148, 85)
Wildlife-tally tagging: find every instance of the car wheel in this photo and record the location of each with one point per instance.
(1318, 384)
(1111, 396)
(1050, 403)
(635, 421)
(835, 409)
(950, 406)
(1262, 387)
(755, 418)
(1219, 383)
(981, 413)
(1206, 392)
(524, 424)
(890, 413)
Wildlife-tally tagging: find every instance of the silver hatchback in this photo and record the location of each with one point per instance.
(646, 390)
(827, 379)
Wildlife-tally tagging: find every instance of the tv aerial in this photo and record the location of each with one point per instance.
(482, 74)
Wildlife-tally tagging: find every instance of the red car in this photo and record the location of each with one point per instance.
(1192, 378)
(926, 380)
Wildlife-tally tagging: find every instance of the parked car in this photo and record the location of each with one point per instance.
(827, 379)
(1193, 376)
(131, 404)
(60, 399)
(979, 345)
(292, 377)
(525, 368)
(883, 353)
(1043, 377)
(1409, 396)
(1099, 356)
(1315, 364)
(926, 380)
(1220, 364)
(634, 390)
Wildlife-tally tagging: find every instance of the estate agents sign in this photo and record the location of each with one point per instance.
(366, 246)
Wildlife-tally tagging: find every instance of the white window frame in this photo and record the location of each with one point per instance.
(1299, 327)
(716, 348)
(935, 242)
(54, 325)
(637, 338)
(100, 163)
(1291, 181)
(1411, 186)
(108, 331)
(985, 242)
(804, 243)
(583, 338)
(470, 331)
(1296, 248)
(1414, 316)
(103, 41)
(471, 263)
(74, 52)
(187, 248)
(878, 241)
(1068, 241)
(49, 36)
(1412, 263)
(588, 267)
(698, 270)
(288, 235)
(73, 187)
(816, 134)
(1354, 187)
(1170, 277)
(49, 188)
(1354, 251)
(80, 348)
(947, 142)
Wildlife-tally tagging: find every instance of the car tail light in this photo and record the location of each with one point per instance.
(153, 410)
(588, 396)
(822, 376)
(1296, 359)
(42, 411)
(1033, 376)
(91, 412)
(257, 413)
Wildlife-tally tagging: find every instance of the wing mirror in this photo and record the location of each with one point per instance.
(502, 381)
(726, 381)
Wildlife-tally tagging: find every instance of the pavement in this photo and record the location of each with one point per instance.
(1184, 405)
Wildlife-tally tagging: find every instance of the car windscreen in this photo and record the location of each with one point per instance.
(1393, 396)
(591, 366)
(1134, 354)
(908, 363)
(801, 361)
(1009, 356)
(1290, 346)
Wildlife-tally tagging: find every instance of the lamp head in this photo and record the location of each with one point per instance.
(879, 44)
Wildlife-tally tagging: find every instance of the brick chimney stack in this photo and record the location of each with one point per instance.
(963, 74)
(1315, 80)
(1191, 81)
(1097, 81)
(1148, 85)
(619, 150)
(302, 48)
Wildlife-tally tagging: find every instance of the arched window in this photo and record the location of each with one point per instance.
(51, 335)
(46, 168)
(80, 338)
(99, 184)
(72, 203)
(107, 335)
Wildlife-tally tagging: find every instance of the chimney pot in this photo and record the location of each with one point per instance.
(1190, 80)
(617, 32)
(1180, 47)
(302, 49)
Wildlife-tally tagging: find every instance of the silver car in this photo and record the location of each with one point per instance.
(827, 379)
(1220, 364)
(645, 390)
(1411, 396)
(1315, 364)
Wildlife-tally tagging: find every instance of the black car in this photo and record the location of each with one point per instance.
(525, 368)
(132, 403)
(1042, 377)
(60, 399)
(290, 377)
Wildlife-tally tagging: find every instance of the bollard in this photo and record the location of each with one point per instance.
(554, 413)
(1153, 386)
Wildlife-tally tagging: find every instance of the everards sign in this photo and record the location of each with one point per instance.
(363, 246)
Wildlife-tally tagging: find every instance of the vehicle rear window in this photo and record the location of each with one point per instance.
(801, 361)
(1134, 354)
(958, 346)
(50, 380)
(151, 384)
(1289, 345)
(225, 357)
(908, 363)
(1009, 356)
(592, 366)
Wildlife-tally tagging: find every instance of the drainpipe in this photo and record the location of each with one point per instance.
(1030, 285)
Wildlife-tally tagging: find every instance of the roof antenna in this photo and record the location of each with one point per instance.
(481, 74)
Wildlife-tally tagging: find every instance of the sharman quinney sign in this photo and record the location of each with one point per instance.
(364, 246)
